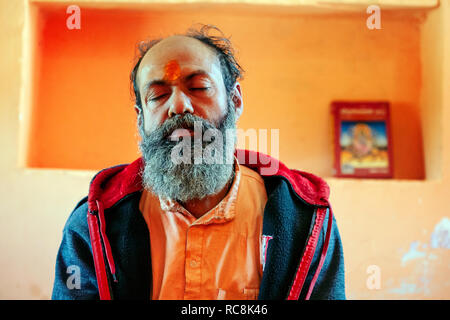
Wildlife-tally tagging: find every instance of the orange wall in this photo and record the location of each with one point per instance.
(386, 223)
(295, 64)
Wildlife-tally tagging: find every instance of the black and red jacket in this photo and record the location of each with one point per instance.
(106, 239)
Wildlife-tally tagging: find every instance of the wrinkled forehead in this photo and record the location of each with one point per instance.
(188, 53)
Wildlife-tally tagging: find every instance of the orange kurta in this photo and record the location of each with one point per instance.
(217, 256)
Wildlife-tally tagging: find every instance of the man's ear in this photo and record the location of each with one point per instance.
(139, 115)
(237, 99)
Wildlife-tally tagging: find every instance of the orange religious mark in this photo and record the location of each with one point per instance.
(172, 70)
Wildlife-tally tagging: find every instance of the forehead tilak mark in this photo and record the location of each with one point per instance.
(172, 70)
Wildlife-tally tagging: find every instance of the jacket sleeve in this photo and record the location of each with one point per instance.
(75, 272)
(330, 284)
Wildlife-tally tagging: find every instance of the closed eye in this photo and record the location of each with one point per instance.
(158, 97)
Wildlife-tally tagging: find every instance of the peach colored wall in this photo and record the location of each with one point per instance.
(383, 223)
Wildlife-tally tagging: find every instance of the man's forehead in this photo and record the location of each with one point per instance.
(185, 51)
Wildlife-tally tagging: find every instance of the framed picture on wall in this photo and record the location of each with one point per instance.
(362, 139)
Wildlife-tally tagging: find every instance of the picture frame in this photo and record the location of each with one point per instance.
(362, 139)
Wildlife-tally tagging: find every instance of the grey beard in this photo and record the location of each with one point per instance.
(186, 181)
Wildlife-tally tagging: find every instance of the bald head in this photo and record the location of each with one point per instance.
(180, 49)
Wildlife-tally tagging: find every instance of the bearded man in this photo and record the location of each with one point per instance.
(194, 218)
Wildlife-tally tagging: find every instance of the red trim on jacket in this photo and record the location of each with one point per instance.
(308, 255)
(99, 262)
(102, 225)
(323, 255)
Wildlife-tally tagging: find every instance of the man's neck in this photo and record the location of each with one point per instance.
(198, 207)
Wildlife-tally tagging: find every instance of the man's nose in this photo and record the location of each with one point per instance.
(180, 104)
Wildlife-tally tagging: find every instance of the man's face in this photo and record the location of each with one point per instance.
(181, 87)
(180, 75)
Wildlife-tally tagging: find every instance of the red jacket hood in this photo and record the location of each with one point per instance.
(112, 184)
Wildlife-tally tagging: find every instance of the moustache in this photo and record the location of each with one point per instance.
(162, 134)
